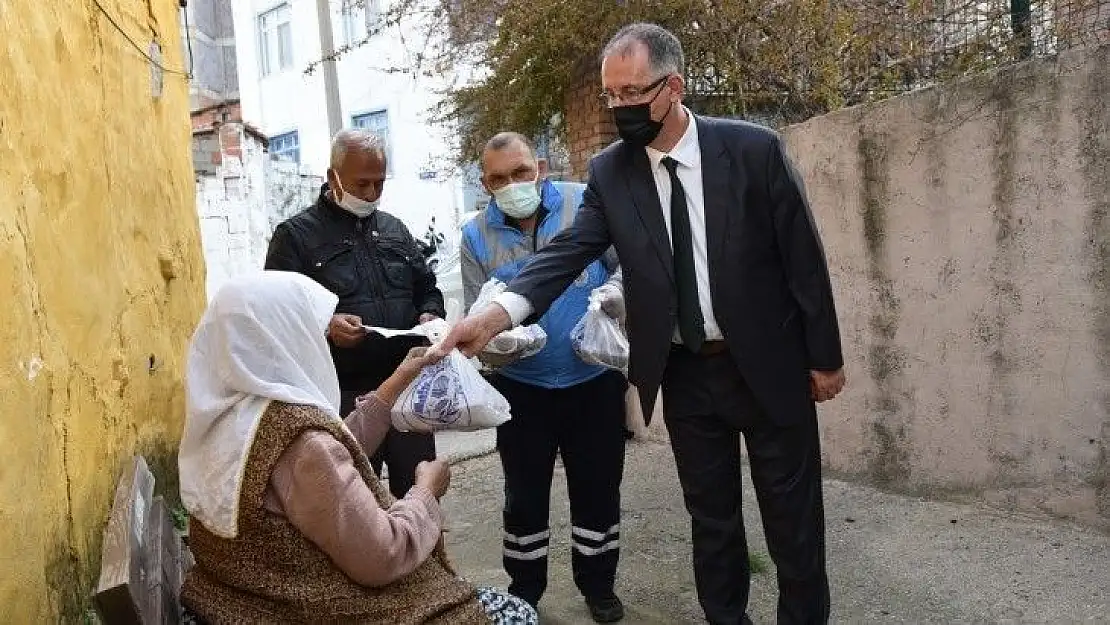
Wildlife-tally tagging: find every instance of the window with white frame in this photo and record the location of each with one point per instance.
(286, 147)
(377, 122)
(351, 21)
(373, 16)
(358, 19)
(275, 40)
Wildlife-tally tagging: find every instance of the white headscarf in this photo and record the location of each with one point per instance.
(262, 338)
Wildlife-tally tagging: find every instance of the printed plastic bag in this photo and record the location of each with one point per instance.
(510, 345)
(449, 395)
(598, 339)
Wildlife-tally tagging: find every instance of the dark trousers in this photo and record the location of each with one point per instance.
(707, 406)
(585, 425)
(400, 451)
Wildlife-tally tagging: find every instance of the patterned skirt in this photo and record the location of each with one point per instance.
(501, 607)
(505, 609)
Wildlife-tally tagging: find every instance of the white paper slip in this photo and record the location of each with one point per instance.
(390, 333)
(433, 330)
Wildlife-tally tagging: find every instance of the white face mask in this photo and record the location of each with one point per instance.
(519, 200)
(354, 205)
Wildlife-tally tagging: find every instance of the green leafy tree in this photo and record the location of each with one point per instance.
(778, 61)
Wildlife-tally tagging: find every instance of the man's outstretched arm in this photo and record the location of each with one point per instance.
(542, 280)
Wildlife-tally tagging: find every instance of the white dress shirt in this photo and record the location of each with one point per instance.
(687, 152)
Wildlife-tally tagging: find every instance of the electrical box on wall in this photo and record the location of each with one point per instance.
(155, 53)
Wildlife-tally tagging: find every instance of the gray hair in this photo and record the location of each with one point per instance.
(504, 139)
(354, 139)
(664, 49)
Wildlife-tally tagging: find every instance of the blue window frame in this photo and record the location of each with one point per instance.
(377, 122)
(286, 147)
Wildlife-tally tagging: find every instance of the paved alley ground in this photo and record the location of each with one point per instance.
(892, 559)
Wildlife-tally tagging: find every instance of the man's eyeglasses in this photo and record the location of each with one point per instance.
(629, 94)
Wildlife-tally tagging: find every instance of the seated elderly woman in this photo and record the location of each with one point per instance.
(289, 524)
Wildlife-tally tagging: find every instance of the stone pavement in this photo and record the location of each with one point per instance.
(893, 559)
(457, 446)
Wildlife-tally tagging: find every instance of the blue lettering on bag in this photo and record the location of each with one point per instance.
(438, 396)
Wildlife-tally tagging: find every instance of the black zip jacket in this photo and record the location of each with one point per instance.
(374, 266)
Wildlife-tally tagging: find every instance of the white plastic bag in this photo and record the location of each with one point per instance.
(520, 342)
(454, 311)
(510, 345)
(598, 339)
(449, 395)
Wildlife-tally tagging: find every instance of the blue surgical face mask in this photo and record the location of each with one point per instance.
(519, 200)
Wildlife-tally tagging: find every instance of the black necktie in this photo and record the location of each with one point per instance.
(691, 324)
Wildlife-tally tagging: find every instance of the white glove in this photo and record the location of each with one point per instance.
(513, 345)
(495, 361)
(611, 298)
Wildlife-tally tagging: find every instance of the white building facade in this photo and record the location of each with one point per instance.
(379, 89)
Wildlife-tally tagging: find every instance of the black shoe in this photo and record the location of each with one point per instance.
(605, 609)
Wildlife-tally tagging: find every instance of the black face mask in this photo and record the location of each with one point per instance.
(634, 122)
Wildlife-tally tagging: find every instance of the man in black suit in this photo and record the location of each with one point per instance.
(729, 307)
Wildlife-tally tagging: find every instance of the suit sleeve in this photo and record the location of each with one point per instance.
(555, 267)
(284, 253)
(803, 258)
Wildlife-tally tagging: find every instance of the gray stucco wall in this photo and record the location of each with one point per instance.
(969, 242)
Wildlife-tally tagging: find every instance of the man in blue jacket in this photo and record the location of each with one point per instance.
(560, 404)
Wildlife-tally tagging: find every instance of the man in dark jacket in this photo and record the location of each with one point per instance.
(370, 260)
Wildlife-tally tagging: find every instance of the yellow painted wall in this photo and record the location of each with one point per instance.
(100, 275)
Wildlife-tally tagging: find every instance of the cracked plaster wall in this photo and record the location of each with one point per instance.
(969, 243)
(102, 277)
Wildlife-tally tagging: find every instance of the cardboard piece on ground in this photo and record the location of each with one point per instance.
(119, 593)
(154, 608)
(143, 562)
(174, 562)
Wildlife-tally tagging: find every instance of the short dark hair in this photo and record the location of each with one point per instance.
(664, 49)
(502, 140)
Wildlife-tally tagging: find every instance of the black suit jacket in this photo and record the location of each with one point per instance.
(769, 279)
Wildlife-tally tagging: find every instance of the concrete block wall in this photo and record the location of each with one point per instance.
(968, 234)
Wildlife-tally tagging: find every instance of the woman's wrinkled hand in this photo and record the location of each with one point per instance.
(434, 475)
(416, 360)
(406, 372)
